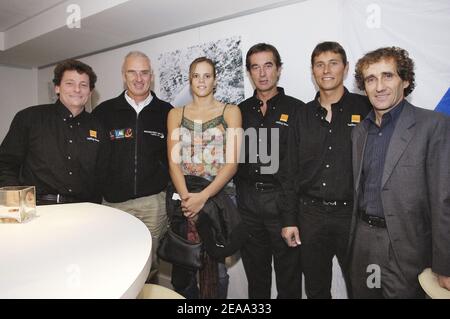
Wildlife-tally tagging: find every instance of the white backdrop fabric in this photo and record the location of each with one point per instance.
(422, 27)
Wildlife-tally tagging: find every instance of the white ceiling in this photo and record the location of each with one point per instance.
(13, 12)
(34, 33)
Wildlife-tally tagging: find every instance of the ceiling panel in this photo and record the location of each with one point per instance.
(124, 23)
(13, 12)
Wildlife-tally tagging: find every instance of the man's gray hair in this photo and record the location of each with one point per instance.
(133, 54)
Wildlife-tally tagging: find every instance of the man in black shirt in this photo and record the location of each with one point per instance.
(321, 169)
(266, 117)
(138, 171)
(59, 148)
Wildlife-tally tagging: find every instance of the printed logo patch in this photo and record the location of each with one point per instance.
(93, 133)
(153, 133)
(120, 134)
(92, 139)
(128, 133)
(92, 136)
(282, 123)
(284, 117)
(356, 118)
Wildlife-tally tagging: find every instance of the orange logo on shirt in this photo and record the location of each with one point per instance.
(93, 133)
(284, 117)
(356, 118)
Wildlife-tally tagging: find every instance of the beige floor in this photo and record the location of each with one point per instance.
(163, 278)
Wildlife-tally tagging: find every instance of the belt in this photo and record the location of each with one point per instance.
(261, 187)
(373, 221)
(57, 199)
(317, 200)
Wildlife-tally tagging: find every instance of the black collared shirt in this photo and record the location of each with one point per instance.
(264, 134)
(320, 152)
(325, 149)
(48, 148)
(377, 144)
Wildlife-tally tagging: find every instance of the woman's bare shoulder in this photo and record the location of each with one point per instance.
(175, 114)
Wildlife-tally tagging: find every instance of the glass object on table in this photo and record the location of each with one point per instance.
(17, 204)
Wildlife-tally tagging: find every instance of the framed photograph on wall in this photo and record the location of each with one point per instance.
(226, 54)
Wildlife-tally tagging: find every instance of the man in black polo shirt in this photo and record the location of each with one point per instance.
(59, 148)
(265, 118)
(321, 169)
(137, 125)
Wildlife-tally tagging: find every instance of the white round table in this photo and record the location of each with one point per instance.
(74, 251)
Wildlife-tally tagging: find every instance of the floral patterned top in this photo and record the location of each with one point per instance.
(203, 146)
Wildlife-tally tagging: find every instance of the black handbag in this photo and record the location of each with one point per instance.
(179, 251)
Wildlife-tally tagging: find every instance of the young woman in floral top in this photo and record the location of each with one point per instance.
(203, 140)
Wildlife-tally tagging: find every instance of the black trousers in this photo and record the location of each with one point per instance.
(374, 270)
(260, 213)
(324, 233)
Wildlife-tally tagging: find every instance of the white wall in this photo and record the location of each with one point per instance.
(18, 90)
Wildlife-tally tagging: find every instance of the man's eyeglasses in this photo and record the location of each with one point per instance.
(142, 74)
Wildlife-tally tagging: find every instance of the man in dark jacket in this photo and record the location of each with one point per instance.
(137, 125)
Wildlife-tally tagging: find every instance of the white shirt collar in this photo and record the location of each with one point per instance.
(138, 106)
